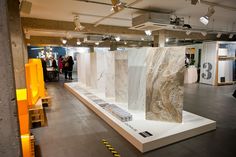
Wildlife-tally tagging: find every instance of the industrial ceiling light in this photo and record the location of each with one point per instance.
(167, 40)
(97, 43)
(117, 38)
(125, 42)
(205, 19)
(188, 32)
(231, 36)
(78, 26)
(142, 39)
(64, 41)
(78, 42)
(218, 35)
(148, 32)
(204, 33)
(117, 5)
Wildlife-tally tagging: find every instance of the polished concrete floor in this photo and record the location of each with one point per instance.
(75, 131)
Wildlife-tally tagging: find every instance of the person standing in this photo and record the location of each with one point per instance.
(44, 66)
(65, 67)
(60, 64)
(70, 67)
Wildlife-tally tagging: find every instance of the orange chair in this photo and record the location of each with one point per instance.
(41, 84)
(32, 84)
(23, 113)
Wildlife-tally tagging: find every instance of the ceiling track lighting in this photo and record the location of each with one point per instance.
(78, 42)
(188, 32)
(205, 19)
(219, 35)
(231, 36)
(78, 26)
(117, 38)
(117, 5)
(64, 41)
(204, 33)
(148, 32)
(97, 43)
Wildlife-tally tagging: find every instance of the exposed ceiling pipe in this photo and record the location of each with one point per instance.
(127, 6)
(130, 7)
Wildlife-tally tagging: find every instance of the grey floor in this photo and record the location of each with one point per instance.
(75, 131)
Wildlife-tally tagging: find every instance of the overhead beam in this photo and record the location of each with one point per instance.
(69, 26)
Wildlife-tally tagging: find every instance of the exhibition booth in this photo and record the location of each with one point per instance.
(139, 93)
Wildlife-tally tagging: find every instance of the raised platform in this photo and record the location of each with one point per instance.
(145, 135)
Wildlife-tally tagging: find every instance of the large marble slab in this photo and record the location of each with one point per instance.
(93, 70)
(121, 76)
(101, 68)
(137, 78)
(82, 68)
(87, 69)
(110, 74)
(164, 84)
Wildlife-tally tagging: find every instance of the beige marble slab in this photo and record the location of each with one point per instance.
(164, 84)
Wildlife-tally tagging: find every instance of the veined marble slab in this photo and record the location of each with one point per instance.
(110, 74)
(164, 84)
(81, 69)
(87, 69)
(121, 76)
(137, 78)
(93, 70)
(101, 68)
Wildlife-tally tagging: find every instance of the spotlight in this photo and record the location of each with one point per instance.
(78, 26)
(231, 36)
(204, 33)
(97, 43)
(125, 42)
(148, 32)
(188, 32)
(218, 35)
(205, 19)
(167, 40)
(117, 38)
(64, 41)
(142, 39)
(117, 5)
(78, 42)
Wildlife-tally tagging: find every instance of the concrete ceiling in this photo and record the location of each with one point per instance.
(63, 10)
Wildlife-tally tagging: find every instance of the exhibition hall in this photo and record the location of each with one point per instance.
(117, 78)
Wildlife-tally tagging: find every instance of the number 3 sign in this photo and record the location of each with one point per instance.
(207, 67)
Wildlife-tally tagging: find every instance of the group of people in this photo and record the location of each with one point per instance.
(66, 65)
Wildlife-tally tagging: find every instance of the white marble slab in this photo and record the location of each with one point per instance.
(93, 70)
(110, 74)
(164, 84)
(137, 78)
(82, 69)
(87, 69)
(121, 76)
(101, 69)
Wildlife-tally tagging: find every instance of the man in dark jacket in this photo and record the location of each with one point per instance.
(70, 67)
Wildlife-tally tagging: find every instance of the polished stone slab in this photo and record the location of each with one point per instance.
(164, 84)
(121, 76)
(110, 74)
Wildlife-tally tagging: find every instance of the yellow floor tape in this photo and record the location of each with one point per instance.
(109, 147)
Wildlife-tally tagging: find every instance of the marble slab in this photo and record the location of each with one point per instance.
(121, 77)
(93, 70)
(81, 69)
(137, 78)
(164, 84)
(87, 69)
(101, 69)
(110, 74)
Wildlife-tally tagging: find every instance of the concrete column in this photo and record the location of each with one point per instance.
(10, 145)
(19, 52)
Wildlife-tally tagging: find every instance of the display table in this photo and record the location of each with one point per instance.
(144, 134)
(190, 75)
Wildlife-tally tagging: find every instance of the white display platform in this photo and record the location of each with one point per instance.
(163, 133)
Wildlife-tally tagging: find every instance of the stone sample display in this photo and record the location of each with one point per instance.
(101, 68)
(137, 78)
(164, 84)
(81, 68)
(87, 69)
(110, 74)
(93, 70)
(121, 76)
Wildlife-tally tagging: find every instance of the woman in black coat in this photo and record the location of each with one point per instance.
(70, 67)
